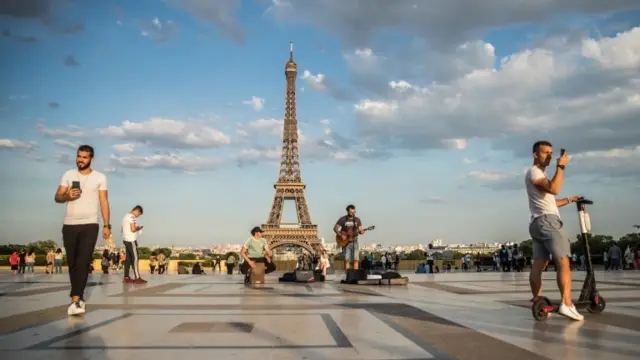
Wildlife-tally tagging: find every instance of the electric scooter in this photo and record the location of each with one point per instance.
(589, 296)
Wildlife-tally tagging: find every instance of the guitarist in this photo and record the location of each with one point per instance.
(350, 223)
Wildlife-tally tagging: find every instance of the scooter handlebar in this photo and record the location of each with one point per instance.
(584, 201)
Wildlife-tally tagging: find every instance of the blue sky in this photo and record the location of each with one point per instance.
(423, 122)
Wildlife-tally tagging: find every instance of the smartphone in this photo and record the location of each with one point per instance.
(75, 184)
(562, 151)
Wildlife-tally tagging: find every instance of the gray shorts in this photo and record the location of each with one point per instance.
(549, 238)
(351, 249)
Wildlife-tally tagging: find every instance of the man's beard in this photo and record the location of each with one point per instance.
(547, 161)
(83, 167)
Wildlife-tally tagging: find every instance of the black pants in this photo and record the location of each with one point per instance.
(131, 248)
(230, 268)
(79, 243)
(431, 269)
(161, 269)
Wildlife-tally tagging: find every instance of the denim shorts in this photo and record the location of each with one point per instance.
(353, 248)
(549, 238)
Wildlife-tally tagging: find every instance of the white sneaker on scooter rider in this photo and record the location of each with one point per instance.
(570, 312)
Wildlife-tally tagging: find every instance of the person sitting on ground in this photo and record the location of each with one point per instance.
(197, 270)
(323, 263)
(182, 269)
(255, 250)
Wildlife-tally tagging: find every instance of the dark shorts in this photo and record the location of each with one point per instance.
(14, 267)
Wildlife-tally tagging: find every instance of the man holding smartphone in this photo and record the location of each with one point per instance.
(84, 193)
(130, 232)
(546, 228)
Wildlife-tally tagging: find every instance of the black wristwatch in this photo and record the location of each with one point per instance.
(107, 226)
(561, 166)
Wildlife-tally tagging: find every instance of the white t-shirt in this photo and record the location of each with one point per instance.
(429, 254)
(86, 208)
(540, 202)
(127, 234)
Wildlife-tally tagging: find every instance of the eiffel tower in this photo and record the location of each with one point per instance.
(289, 185)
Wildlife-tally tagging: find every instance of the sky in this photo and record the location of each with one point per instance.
(421, 114)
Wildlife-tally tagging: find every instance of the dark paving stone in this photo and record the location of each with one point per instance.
(213, 327)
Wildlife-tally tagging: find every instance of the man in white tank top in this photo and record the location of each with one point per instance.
(545, 227)
(83, 191)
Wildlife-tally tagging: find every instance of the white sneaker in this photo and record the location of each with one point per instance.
(570, 312)
(82, 305)
(75, 309)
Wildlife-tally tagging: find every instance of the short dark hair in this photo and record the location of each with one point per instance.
(86, 148)
(139, 208)
(537, 144)
(256, 230)
(350, 206)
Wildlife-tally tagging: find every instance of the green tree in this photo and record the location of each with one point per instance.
(144, 252)
(416, 255)
(598, 243)
(187, 256)
(526, 247)
(166, 251)
(42, 246)
(632, 240)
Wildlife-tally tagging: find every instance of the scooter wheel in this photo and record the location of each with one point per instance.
(597, 308)
(537, 309)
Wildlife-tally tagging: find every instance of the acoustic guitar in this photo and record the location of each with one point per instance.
(349, 236)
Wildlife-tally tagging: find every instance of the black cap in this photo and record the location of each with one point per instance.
(256, 230)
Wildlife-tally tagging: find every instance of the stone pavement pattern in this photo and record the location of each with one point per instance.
(446, 316)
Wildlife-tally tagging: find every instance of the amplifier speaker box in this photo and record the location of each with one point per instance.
(257, 274)
(353, 276)
(304, 276)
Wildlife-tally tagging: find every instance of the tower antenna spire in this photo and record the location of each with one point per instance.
(290, 50)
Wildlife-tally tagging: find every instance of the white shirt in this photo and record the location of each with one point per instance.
(429, 254)
(540, 202)
(86, 208)
(127, 234)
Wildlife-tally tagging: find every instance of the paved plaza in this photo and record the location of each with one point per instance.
(445, 316)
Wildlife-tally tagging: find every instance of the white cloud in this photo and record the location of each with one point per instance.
(73, 131)
(113, 171)
(158, 30)
(168, 133)
(257, 103)
(320, 83)
(124, 148)
(533, 94)
(66, 143)
(220, 13)
(264, 144)
(17, 144)
(441, 23)
(167, 161)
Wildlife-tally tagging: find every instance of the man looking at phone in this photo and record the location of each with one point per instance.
(83, 191)
(546, 227)
(130, 232)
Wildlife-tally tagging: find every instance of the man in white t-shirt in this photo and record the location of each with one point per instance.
(130, 232)
(545, 228)
(83, 191)
(429, 255)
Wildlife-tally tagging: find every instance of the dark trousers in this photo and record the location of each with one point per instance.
(131, 248)
(230, 268)
(79, 243)
(431, 269)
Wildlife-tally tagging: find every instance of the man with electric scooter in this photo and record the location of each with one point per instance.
(546, 227)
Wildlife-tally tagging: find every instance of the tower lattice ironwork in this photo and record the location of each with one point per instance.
(289, 185)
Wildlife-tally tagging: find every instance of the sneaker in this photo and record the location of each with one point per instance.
(570, 312)
(127, 280)
(75, 309)
(139, 281)
(83, 305)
